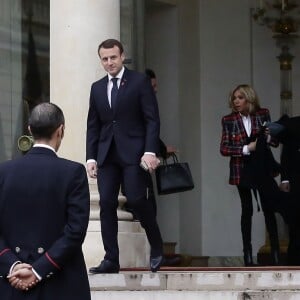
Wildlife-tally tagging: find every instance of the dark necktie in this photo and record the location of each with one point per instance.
(114, 93)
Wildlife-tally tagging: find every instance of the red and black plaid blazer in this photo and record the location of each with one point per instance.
(234, 137)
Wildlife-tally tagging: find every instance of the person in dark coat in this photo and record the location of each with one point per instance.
(290, 184)
(287, 131)
(44, 214)
(165, 151)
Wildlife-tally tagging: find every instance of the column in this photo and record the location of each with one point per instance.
(76, 30)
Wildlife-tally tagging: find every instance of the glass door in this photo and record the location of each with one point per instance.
(24, 67)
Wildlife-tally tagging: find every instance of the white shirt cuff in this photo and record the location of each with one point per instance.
(151, 153)
(36, 274)
(90, 160)
(13, 265)
(246, 150)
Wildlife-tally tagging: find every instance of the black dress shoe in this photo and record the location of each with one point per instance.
(171, 261)
(248, 260)
(156, 263)
(275, 257)
(106, 266)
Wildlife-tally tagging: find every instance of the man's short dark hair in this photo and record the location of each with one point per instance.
(150, 73)
(110, 43)
(44, 119)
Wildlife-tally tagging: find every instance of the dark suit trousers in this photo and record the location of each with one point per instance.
(151, 197)
(294, 222)
(111, 174)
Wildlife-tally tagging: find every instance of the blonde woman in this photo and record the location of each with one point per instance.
(239, 133)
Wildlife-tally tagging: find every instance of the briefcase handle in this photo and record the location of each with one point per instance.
(173, 156)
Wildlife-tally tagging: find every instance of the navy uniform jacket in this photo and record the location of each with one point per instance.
(134, 124)
(44, 213)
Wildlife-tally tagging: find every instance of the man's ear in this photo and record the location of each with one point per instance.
(123, 57)
(61, 130)
(29, 129)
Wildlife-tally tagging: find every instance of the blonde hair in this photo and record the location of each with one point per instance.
(250, 95)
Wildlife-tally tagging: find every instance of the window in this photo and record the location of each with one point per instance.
(24, 67)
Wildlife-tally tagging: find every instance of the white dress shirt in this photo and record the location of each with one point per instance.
(110, 83)
(248, 127)
(44, 146)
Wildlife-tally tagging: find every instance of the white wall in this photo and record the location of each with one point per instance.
(225, 62)
(200, 49)
(232, 52)
(219, 47)
(296, 78)
(190, 124)
(161, 53)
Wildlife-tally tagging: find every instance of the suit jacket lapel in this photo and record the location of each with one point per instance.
(241, 128)
(255, 124)
(104, 93)
(240, 124)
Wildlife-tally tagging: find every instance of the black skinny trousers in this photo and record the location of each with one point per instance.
(246, 219)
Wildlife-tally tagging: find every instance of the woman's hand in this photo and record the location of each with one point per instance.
(252, 146)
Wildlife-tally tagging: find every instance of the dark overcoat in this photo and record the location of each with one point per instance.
(44, 213)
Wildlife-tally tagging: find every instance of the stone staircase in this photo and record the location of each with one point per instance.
(280, 283)
(191, 280)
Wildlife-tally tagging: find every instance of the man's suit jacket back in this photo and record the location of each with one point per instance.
(44, 213)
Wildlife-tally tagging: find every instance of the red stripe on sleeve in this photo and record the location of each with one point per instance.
(4, 251)
(52, 261)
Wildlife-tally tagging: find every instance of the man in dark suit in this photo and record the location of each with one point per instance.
(122, 133)
(289, 136)
(290, 183)
(44, 214)
(164, 152)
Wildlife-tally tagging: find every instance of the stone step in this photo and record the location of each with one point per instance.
(280, 283)
(133, 244)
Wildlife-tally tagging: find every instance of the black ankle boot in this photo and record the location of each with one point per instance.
(271, 225)
(275, 252)
(248, 260)
(275, 257)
